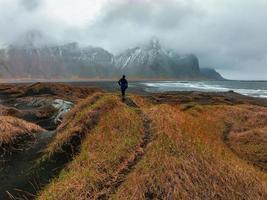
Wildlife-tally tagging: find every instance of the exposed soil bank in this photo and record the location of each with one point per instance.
(16, 176)
(34, 103)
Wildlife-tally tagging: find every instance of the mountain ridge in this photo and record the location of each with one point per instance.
(70, 60)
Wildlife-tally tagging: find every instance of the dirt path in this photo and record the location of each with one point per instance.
(15, 176)
(128, 165)
(226, 132)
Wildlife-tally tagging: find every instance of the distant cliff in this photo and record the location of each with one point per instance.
(211, 74)
(150, 60)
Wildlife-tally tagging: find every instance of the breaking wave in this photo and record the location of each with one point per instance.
(249, 88)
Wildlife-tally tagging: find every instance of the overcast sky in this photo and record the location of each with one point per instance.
(228, 35)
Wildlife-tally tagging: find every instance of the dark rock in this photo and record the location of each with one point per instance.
(211, 74)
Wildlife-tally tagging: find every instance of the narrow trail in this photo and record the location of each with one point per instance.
(128, 165)
(15, 176)
(226, 132)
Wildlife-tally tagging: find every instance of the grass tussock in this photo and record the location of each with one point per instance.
(103, 153)
(68, 92)
(13, 130)
(9, 111)
(248, 134)
(251, 145)
(79, 121)
(189, 160)
(56, 90)
(245, 130)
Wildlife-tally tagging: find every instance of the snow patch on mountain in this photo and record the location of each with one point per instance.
(149, 60)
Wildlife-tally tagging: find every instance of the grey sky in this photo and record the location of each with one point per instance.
(228, 35)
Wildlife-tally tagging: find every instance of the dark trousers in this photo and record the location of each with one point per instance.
(123, 92)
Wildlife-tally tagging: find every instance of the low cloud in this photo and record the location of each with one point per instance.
(31, 5)
(227, 35)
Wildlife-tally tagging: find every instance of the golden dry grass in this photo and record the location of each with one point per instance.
(7, 111)
(251, 145)
(103, 153)
(81, 119)
(68, 92)
(11, 128)
(188, 158)
(248, 135)
(58, 90)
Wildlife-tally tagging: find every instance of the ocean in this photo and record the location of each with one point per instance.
(249, 88)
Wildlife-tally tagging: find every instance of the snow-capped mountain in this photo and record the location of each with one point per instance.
(150, 60)
(55, 61)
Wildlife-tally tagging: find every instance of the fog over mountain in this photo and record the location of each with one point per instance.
(229, 36)
(150, 60)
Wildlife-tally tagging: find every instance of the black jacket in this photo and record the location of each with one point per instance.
(123, 83)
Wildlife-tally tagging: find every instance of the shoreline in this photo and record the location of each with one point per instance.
(139, 89)
(257, 89)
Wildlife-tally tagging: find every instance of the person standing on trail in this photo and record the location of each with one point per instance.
(123, 83)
